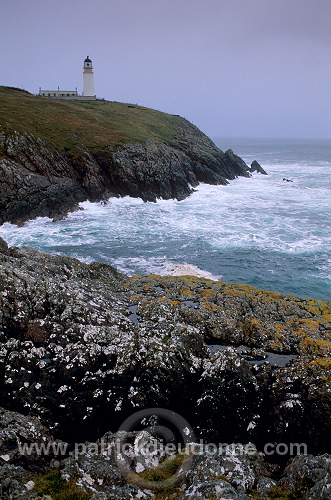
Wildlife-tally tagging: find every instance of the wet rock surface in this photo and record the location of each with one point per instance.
(75, 363)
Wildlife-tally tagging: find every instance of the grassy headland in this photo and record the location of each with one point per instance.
(62, 124)
(55, 154)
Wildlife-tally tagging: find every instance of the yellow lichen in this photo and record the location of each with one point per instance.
(279, 326)
(315, 347)
(275, 346)
(312, 308)
(210, 306)
(323, 362)
(208, 293)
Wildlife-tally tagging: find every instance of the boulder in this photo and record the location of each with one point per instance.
(217, 489)
(308, 476)
(3, 246)
(14, 482)
(256, 167)
(22, 440)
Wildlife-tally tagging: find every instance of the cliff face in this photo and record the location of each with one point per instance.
(47, 168)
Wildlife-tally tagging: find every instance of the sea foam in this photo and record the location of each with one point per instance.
(262, 231)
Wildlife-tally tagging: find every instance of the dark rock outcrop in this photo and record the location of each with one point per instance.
(37, 180)
(238, 472)
(256, 167)
(237, 164)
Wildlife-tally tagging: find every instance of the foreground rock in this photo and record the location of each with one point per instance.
(92, 470)
(83, 347)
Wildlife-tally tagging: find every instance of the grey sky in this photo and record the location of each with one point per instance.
(233, 67)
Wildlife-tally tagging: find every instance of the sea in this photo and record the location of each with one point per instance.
(269, 231)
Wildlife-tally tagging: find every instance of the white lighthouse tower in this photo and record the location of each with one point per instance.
(88, 78)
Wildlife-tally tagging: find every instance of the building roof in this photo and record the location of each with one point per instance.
(87, 59)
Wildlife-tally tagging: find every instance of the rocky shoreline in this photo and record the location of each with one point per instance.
(54, 155)
(36, 181)
(242, 372)
(83, 347)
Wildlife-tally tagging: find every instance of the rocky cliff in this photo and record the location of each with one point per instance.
(83, 347)
(55, 154)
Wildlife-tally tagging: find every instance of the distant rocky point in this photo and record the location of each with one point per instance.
(56, 154)
(256, 167)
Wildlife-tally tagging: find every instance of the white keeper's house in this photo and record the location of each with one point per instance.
(88, 87)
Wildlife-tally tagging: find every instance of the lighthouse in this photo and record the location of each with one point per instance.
(88, 78)
(72, 95)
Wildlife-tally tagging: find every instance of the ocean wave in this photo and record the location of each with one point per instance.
(218, 230)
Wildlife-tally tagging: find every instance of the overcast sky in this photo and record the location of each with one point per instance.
(240, 68)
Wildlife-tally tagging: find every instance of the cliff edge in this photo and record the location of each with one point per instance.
(55, 154)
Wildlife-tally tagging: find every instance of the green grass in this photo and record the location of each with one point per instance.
(161, 480)
(57, 488)
(164, 470)
(52, 485)
(96, 124)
